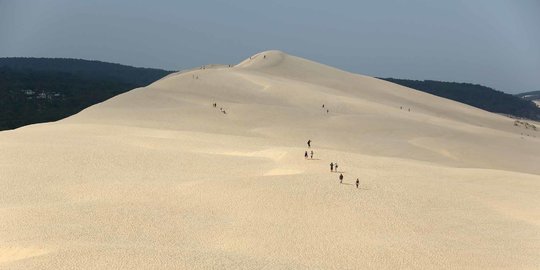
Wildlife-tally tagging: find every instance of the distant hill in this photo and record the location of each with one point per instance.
(476, 95)
(534, 95)
(86, 69)
(34, 90)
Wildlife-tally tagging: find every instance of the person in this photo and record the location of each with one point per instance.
(323, 105)
(335, 166)
(264, 57)
(305, 155)
(331, 166)
(311, 154)
(357, 182)
(327, 111)
(341, 178)
(309, 143)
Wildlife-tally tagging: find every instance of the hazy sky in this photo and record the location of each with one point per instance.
(490, 42)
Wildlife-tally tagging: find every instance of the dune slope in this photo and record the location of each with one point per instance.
(157, 178)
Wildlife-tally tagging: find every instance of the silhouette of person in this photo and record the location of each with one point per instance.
(341, 178)
(327, 111)
(305, 155)
(309, 143)
(335, 166)
(331, 166)
(264, 56)
(357, 182)
(311, 154)
(323, 105)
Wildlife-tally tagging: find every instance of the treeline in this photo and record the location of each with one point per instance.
(95, 70)
(475, 95)
(53, 89)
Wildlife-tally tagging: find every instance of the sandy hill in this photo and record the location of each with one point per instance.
(157, 178)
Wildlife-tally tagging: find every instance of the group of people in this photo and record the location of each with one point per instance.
(333, 165)
(327, 111)
(401, 108)
(220, 109)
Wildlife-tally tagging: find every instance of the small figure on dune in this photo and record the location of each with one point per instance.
(327, 111)
(311, 154)
(221, 109)
(357, 182)
(309, 143)
(323, 105)
(305, 155)
(224, 112)
(264, 56)
(409, 109)
(335, 166)
(331, 166)
(341, 178)
(215, 104)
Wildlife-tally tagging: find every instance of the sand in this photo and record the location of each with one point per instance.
(157, 178)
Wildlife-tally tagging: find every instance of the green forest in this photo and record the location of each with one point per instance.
(35, 90)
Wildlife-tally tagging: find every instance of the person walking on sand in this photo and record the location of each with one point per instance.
(341, 178)
(311, 154)
(331, 166)
(335, 166)
(323, 106)
(357, 182)
(305, 155)
(309, 143)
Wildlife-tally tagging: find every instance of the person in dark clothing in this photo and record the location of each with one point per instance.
(357, 182)
(323, 105)
(331, 166)
(309, 143)
(335, 166)
(341, 178)
(305, 155)
(311, 154)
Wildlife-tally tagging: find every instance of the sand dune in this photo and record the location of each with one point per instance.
(157, 178)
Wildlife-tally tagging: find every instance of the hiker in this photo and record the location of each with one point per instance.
(357, 182)
(331, 166)
(309, 143)
(327, 111)
(264, 56)
(341, 178)
(305, 155)
(311, 154)
(335, 166)
(323, 105)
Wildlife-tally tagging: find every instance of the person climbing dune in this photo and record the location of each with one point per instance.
(309, 143)
(331, 166)
(305, 155)
(311, 154)
(341, 178)
(357, 182)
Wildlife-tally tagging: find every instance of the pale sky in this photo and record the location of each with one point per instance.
(491, 42)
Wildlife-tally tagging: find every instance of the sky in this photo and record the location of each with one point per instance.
(490, 42)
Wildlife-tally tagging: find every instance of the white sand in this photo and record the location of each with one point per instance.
(157, 178)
